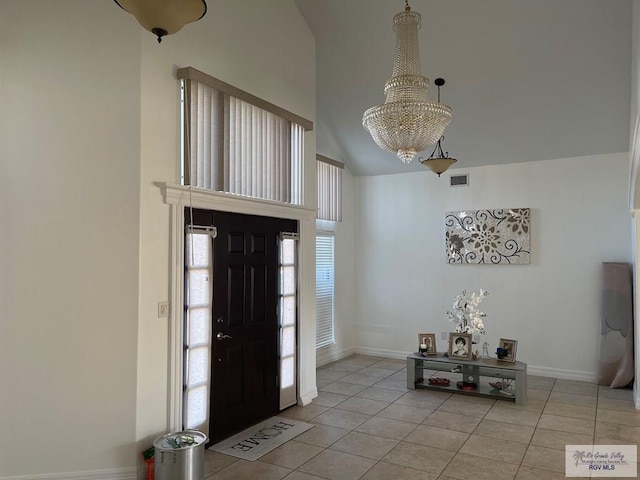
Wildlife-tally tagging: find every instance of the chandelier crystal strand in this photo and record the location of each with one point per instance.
(407, 122)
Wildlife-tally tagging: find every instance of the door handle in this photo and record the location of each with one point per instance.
(222, 336)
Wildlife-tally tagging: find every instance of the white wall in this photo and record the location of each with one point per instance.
(344, 308)
(635, 63)
(634, 179)
(404, 286)
(89, 121)
(634, 121)
(264, 48)
(69, 180)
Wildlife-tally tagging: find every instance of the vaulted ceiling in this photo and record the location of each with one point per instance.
(527, 79)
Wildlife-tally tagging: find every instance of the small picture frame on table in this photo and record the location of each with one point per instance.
(427, 343)
(460, 345)
(507, 350)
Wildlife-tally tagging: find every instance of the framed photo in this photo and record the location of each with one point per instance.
(460, 345)
(428, 339)
(509, 348)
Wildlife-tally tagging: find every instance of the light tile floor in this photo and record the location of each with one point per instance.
(369, 426)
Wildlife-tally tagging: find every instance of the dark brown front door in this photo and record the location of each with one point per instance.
(244, 370)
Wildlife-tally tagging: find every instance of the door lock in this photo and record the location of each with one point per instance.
(222, 336)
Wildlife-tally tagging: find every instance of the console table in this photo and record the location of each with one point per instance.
(471, 371)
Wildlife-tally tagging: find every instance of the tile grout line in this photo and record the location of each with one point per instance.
(328, 447)
(534, 431)
(403, 437)
(436, 409)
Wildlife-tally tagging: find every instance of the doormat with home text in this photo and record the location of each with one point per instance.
(254, 442)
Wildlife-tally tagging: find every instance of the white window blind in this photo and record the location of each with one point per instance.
(329, 189)
(237, 143)
(324, 289)
(260, 153)
(202, 135)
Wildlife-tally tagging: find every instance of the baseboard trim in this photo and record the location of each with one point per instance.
(531, 369)
(381, 352)
(111, 474)
(306, 397)
(330, 354)
(577, 375)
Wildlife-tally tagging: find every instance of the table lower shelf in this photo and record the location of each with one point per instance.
(480, 372)
(481, 391)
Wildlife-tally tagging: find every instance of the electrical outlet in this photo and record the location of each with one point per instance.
(163, 309)
(444, 335)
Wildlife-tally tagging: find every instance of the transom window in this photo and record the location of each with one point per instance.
(237, 143)
(329, 188)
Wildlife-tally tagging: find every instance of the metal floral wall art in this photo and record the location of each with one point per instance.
(499, 236)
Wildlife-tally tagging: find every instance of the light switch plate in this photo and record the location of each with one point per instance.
(163, 309)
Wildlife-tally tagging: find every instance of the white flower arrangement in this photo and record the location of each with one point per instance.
(465, 312)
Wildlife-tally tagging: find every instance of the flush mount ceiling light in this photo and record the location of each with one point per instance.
(407, 122)
(439, 160)
(164, 17)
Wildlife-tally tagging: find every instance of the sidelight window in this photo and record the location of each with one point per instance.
(287, 317)
(197, 347)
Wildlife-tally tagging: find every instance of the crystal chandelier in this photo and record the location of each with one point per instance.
(407, 122)
(164, 17)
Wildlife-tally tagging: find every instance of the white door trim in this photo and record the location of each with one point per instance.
(178, 197)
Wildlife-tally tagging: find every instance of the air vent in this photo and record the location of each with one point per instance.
(459, 180)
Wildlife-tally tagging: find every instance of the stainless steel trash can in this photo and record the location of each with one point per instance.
(180, 456)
